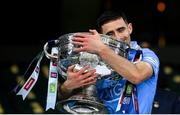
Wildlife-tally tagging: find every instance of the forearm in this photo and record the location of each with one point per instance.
(121, 65)
(64, 92)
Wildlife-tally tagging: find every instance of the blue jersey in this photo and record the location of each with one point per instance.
(110, 89)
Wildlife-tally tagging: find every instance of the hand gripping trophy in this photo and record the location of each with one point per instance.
(86, 101)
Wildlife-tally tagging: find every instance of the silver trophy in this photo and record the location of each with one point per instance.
(86, 100)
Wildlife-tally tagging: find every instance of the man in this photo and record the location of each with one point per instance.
(142, 74)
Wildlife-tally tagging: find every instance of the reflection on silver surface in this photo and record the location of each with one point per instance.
(68, 57)
(86, 101)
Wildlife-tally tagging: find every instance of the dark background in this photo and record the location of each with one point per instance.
(27, 25)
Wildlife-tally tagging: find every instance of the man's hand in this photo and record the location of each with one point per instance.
(77, 79)
(91, 43)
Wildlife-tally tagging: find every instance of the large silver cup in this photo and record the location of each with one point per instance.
(86, 100)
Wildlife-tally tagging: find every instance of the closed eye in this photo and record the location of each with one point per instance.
(120, 30)
(109, 33)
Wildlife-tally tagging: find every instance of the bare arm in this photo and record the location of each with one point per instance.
(135, 73)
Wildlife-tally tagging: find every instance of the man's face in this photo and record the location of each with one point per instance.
(118, 29)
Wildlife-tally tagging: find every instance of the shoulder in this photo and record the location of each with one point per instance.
(150, 56)
(147, 54)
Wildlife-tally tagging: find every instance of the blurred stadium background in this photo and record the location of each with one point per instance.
(27, 25)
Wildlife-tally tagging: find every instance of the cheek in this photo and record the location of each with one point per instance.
(122, 39)
(124, 36)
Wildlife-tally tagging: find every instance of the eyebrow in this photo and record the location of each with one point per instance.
(120, 28)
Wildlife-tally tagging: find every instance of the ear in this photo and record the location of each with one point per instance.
(130, 28)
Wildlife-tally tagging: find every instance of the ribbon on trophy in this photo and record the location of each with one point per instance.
(52, 82)
(31, 80)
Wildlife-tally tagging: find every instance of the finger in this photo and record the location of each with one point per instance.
(70, 68)
(89, 83)
(88, 74)
(77, 43)
(83, 70)
(90, 78)
(95, 76)
(78, 39)
(81, 49)
(85, 34)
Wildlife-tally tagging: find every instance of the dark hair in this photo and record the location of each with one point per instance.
(109, 16)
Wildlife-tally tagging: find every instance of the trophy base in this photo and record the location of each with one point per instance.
(81, 104)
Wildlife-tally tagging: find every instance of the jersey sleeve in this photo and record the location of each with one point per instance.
(150, 57)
